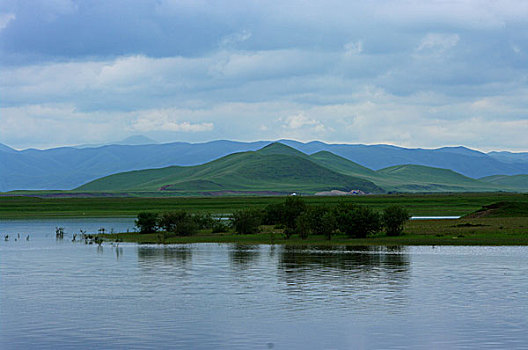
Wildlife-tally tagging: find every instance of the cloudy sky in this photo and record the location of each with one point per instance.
(412, 73)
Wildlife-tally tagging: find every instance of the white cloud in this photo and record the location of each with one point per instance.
(234, 38)
(438, 42)
(300, 121)
(5, 18)
(410, 72)
(353, 48)
(168, 120)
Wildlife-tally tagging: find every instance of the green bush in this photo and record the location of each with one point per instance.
(328, 224)
(357, 221)
(219, 226)
(303, 225)
(204, 221)
(246, 221)
(273, 214)
(322, 221)
(393, 219)
(147, 222)
(292, 208)
(179, 222)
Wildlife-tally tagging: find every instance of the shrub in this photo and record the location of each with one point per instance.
(204, 221)
(219, 226)
(357, 221)
(303, 225)
(273, 214)
(292, 208)
(246, 221)
(322, 221)
(146, 222)
(393, 219)
(179, 222)
(328, 224)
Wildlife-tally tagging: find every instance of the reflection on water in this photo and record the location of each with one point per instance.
(351, 277)
(243, 256)
(152, 256)
(68, 295)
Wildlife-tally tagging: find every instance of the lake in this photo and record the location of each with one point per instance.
(59, 294)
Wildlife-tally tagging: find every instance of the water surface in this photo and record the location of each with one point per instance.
(64, 295)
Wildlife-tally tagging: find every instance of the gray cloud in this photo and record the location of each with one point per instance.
(414, 73)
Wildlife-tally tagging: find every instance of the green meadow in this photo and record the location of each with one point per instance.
(25, 207)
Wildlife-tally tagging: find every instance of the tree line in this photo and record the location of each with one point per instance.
(293, 216)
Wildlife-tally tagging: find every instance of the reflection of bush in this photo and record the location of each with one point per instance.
(172, 255)
(243, 254)
(344, 258)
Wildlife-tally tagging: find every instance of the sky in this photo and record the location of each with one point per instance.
(411, 73)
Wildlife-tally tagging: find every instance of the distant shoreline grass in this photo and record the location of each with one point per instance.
(470, 232)
(22, 207)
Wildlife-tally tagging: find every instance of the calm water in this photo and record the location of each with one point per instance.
(64, 295)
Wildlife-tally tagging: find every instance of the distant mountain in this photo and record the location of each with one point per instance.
(510, 157)
(129, 141)
(70, 167)
(468, 162)
(137, 140)
(406, 178)
(4, 148)
(275, 168)
(419, 178)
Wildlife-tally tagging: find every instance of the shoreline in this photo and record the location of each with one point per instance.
(466, 231)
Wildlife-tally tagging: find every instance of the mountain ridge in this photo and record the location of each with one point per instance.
(274, 168)
(69, 167)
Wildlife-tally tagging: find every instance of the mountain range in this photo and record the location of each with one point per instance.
(280, 169)
(70, 167)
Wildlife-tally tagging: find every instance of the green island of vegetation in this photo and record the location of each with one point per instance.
(293, 222)
(486, 218)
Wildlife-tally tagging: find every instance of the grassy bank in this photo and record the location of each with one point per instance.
(475, 231)
(22, 207)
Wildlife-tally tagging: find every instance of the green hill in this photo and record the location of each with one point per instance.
(342, 165)
(278, 168)
(501, 209)
(274, 168)
(405, 178)
(419, 178)
(516, 182)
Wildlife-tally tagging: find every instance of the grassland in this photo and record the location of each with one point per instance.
(22, 207)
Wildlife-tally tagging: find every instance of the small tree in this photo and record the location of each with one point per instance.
(246, 221)
(219, 226)
(273, 214)
(146, 222)
(393, 219)
(303, 225)
(322, 221)
(204, 221)
(357, 221)
(328, 224)
(293, 207)
(179, 222)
